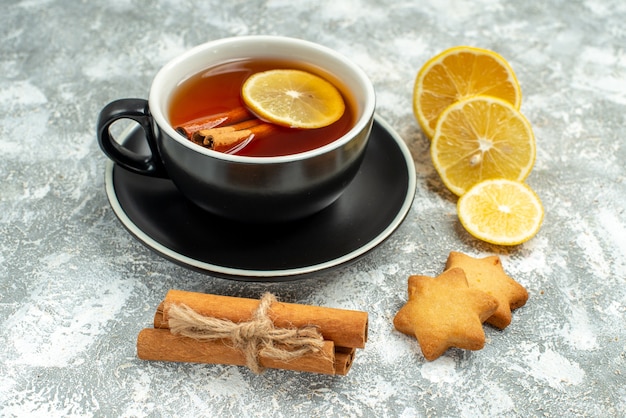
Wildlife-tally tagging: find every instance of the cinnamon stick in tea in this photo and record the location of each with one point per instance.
(233, 116)
(346, 328)
(227, 138)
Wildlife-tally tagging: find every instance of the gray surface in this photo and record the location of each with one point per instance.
(75, 287)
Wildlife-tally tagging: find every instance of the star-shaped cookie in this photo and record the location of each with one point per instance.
(487, 274)
(445, 312)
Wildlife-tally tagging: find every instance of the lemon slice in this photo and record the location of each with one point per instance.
(293, 98)
(458, 73)
(481, 138)
(500, 211)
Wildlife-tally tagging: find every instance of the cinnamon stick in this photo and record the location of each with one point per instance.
(229, 138)
(233, 116)
(239, 126)
(344, 356)
(346, 328)
(161, 345)
(226, 132)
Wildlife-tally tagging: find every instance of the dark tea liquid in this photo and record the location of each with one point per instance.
(218, 89)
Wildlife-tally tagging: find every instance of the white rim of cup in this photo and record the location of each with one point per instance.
(164, 77)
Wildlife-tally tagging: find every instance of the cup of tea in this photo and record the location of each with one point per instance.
(273, 175)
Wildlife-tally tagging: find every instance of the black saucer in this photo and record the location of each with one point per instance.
(368, 212)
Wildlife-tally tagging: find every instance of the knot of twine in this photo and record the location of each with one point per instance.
(256, 337)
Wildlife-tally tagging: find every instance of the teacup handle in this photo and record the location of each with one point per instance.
(137, 110)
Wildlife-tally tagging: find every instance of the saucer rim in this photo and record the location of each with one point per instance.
(282, 274)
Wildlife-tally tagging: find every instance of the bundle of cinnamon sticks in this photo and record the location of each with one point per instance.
(260, 334)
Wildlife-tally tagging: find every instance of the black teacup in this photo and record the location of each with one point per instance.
(250, 189)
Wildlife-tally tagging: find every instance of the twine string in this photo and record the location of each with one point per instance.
(256, 338)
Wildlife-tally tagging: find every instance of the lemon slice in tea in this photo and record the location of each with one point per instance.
(293, 98)
(502, 212)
